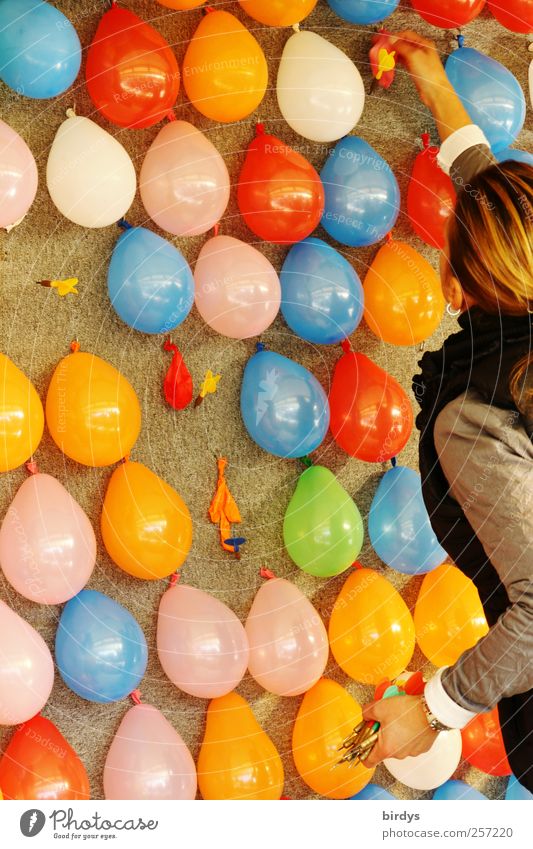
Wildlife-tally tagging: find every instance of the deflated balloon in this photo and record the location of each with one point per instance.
(21, 416)
(18, 177)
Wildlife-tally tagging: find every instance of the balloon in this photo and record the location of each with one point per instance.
(404, 304)
(530, 81)
(146, 526)
(39, 764)
(363, 11)
(237, 290)
(181, 4)
(327, 715)
(18, 177)
(47, 544)
(371, 415)
(92, 412)
(90, 177)
(373, 792)
(430, 198)
(490, 93)
(362, 194)
(283, 406)
(288, 642)
(225, 72)
(448, 14)
(132, 75)
(449, 617)
(237, 759)
(148, 759)
(399, 527)
(40, 52)
(516, 792)
(320, 91)
(21, 416)
(516, 15)
(279, 193)
(452, 791)
(184, 182)
(101, 652)
(371, 631)
(483, 745)
(432, 768)
(511, 154)
(321, 294)
(322, 529)
(201, 644)
(278, 13)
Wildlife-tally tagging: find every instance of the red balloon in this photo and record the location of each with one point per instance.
(516, 15)
(39, 764)
(483, 744)
(280, 195)
(430, 198)
(371, 415)
(132, 74)
(449, 14)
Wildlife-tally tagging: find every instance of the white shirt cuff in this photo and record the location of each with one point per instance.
(443, 707)
(456, 144)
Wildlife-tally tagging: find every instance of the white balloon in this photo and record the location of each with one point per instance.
(90, 177)
(320, 91)
(432, 768)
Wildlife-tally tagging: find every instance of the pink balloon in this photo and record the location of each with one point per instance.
(184, 181)
(201, 644)
(288, 641)
(47, 544)
(237, 290)
(26, 669)
(18, 177)
(148, 759)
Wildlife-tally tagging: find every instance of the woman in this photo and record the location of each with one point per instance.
(476, 420)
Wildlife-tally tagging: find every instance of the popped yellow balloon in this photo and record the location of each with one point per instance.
(225, 72)
(449, 617)
(278, 13)
(371, 631)
(21, 416)
(92, 411)
(146, 526)
(327, 715)
(237, 759)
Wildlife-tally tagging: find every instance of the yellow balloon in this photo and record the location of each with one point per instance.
(21, 416)
(371, 631)
(449, 617)
(327, 716)
(92, 412)
(225, 72)
(278, 13)
(237, 759)
(146, 526)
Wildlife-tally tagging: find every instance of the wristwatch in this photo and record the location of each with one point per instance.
(434, 723)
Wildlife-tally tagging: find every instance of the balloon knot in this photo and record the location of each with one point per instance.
(170, 116)
(357, 565)
(259, 129)
(168, 345)
(346, 346)
(174, 578)
(266, 573)
(393, 462)
(75, 346)
(296, 27)
(124, 224)
(460, 40)
(216, 228)
(71, 112)
(259, 347)
(135, 695)
(388, 238)
(32, 467)
(425, 140)
(209, 9)
(306, 461)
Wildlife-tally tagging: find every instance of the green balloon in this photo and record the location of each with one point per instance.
(322, 529)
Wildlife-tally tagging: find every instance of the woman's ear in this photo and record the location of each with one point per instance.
(453, 293)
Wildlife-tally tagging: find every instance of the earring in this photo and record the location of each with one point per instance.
(451, 312)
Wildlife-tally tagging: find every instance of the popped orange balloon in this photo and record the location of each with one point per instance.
(225, 72)
(146, 526)
(449, 616)
(278, 13)
(483, 745)
(237, 759)
(21, 416)
(92, 411)
(327, 715)
(404, 304)
(371, 631)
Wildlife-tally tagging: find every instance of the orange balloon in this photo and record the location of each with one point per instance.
(21, 416)
(146, 526)
(225, 72)
(237, 759)
(181, 4)
(449, 616)
(371, 631)
(278, 13)
(483, 745)
(92, 411)
(327, 715)
(404, 304)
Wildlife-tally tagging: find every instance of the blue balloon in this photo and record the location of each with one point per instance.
(283, 406)
(149, 282)
(516, 792)
(373, 792)
(101, 652)
(453, 791)
(490, 93)
(321, 294)
(399, 526)
(512, 154)
(364, 11)
(362, 198)
(40, 52)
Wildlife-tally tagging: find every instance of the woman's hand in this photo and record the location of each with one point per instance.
(404, 728)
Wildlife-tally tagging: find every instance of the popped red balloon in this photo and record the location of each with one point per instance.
(449, 14)
(132, 74)
(430, 197)
(516, 15)
(483, 744)
(177, 385)
(371, 415)
(280, 195)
